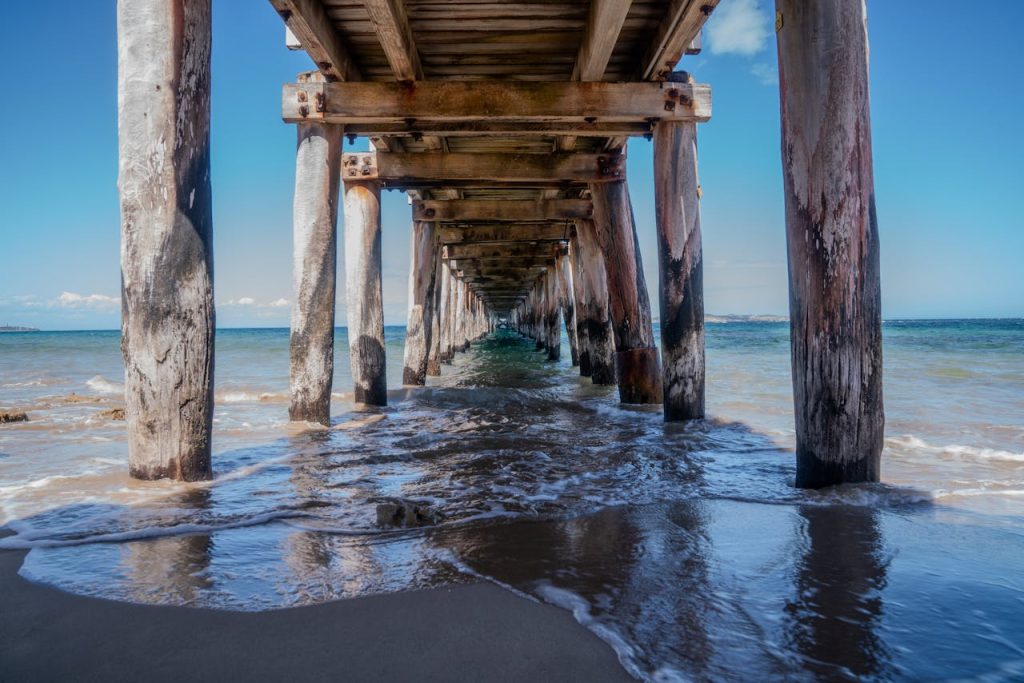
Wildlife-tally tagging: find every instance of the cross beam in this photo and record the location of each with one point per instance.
(502, 210)
(503, 233)
(400, 169)
(507, 251)
(512, 102)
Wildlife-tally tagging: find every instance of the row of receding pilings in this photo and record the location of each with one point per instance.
(167, 264)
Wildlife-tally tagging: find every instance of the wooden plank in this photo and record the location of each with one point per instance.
(392, 28)
(497, 250)
(398, 168)
(502, 210)
(676, 32)
(489, 129)
(308, 21)
(602, 33)
(384, 102)
(501, 233)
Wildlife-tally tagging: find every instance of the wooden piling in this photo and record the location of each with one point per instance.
(579, 306)
(167, 321)
(596, 318)
(434, 357)
(567, 303)
(832, 230)
(419, 328)
(552, 315)
(363, 291)
(314, 268)
(636, 358)
(680, 266)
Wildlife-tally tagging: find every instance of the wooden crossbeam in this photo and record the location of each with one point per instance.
(503, 262)
(675, 34)
(507, 251)
(395, 35)
(502, 210)
(309, 23)
(415, 128)
(399, 169)
(602, 33)
(506, 101)
(502, 233)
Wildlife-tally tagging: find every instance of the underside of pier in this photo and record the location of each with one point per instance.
(507, 125)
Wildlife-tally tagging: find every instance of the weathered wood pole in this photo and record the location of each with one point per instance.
(832, 236)
(314, 271)
(421, 303)
(579, 306)
(596, 318)
(434, 359)
(636, 358)
(567, 303)
(167, 313)
(363, 294)
(448, 311)
(552, 314)
(681, 270)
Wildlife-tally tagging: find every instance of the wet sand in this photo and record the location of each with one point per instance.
(470, 632)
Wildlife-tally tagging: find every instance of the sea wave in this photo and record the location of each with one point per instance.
(913, 443)
(102, 385)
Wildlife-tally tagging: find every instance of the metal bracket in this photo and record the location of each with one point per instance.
(359, 166)
(611, 166)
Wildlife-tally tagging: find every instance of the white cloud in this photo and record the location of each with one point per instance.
(278, 303)
(94, 301)
(765, 73)
(738, 27)
(243, 301)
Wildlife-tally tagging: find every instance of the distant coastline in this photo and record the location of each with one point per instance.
(17, 328)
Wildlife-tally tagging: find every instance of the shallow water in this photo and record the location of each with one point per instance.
(684, 546)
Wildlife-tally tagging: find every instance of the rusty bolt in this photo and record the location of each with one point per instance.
(351, 138)
(590, 119)
(366, 160)
(302, 96)
(706, 10)
(670, 106)
(366, 170)
(304, 111)
(430, 213)
(321, 104)
(673, 93)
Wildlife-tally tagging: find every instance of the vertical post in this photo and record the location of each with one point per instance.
(680, 269)
(832, 237)
(596, 318)
(552, 314)
(167, 313)
(579, 310)
(421, 303)
(363, 291)
(434, 358)
(636, 358)
(314, 271)
(567, 302)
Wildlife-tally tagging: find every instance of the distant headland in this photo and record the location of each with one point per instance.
(17, 328)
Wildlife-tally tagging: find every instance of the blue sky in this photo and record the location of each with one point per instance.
(946, 102)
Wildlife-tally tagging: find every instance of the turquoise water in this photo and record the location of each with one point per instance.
(686, 547)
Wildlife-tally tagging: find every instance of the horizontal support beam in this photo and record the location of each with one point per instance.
(398, 169)
(309, 24)
(506, 251)
(416, 129)
(502, 210)
(503, 233)
(506, 101)
(521, 262)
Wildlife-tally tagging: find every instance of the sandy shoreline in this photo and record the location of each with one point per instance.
(472, 632)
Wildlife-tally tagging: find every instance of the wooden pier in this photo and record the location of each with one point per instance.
(507, 124)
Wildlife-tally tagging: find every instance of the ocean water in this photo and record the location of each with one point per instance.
(685, 547)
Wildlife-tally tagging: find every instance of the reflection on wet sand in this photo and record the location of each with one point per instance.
(173, 567)
(836, 611)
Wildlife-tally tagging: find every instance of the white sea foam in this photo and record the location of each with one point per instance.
(102, 385)
(913, 443)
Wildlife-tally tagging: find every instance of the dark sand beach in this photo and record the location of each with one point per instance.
(462, 633)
